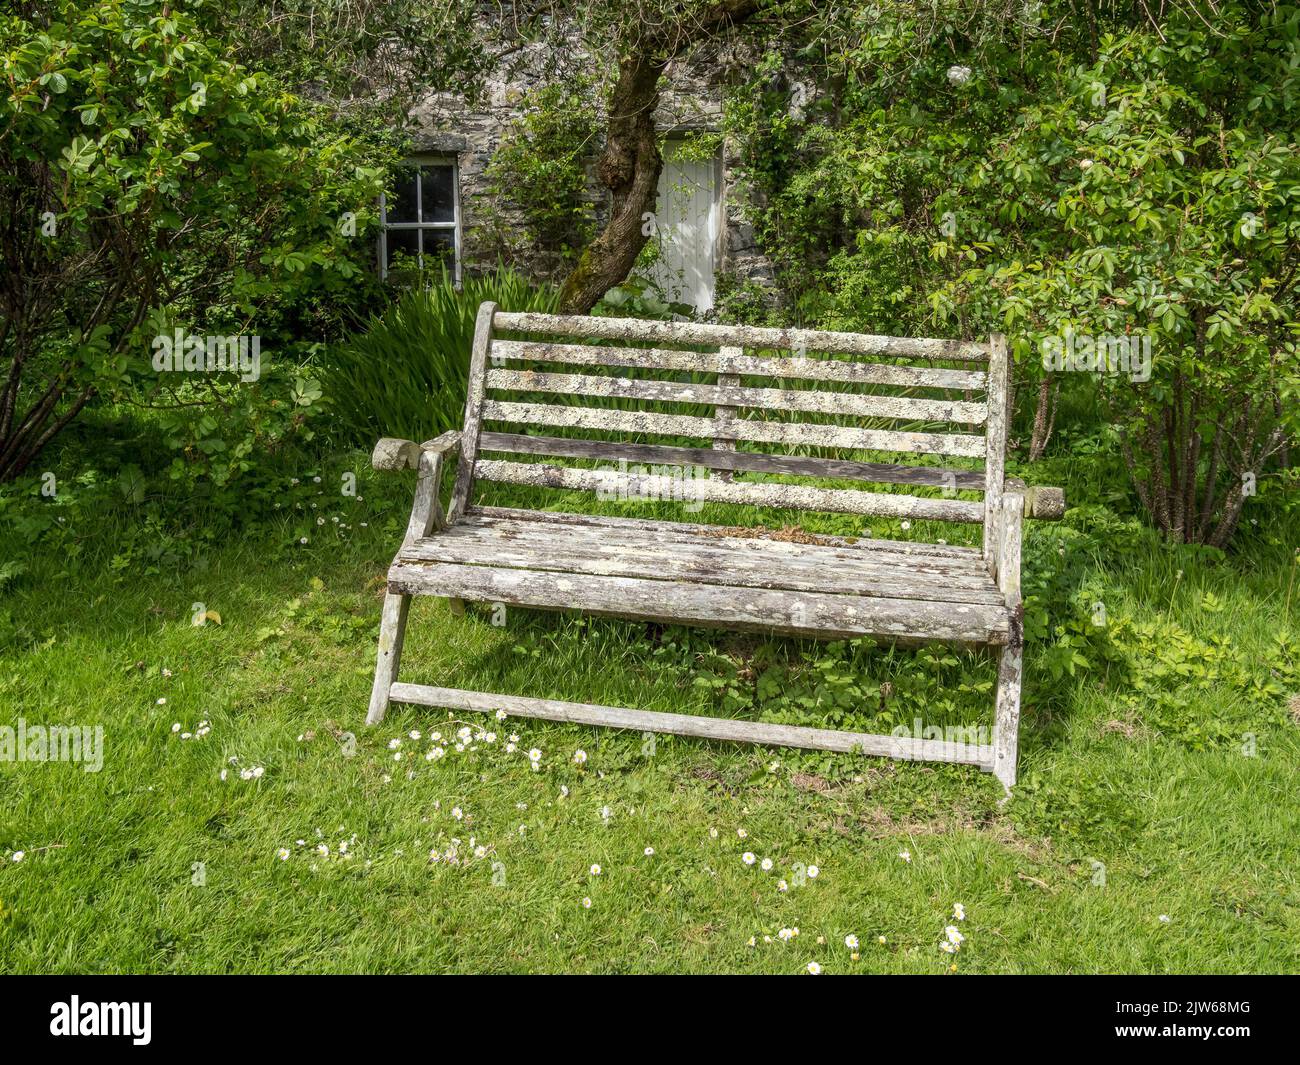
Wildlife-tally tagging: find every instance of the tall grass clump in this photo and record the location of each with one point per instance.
(405, 375)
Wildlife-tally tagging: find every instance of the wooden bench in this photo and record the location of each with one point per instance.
(803, 417)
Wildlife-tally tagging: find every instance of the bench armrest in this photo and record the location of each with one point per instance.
(394, 454)
(1041, 501)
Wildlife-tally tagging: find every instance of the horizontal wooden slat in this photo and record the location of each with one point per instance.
(748, 429)
(804, 369)
(738, 461)
(747, 336)
(608, 525)
(759, 494)
(708, 728)
(719, 561)
(829, 616)
(898, 408)
(831, 554)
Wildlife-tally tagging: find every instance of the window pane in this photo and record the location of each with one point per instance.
(439, 244)
(401, 201)
(402, 242)
(439, 192)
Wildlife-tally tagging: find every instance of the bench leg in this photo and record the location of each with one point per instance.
(392, 627)
(1006, 730)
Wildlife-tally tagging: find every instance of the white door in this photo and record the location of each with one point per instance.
(687, 221)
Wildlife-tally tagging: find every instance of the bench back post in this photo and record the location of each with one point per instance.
(995, 434)
(473, 411)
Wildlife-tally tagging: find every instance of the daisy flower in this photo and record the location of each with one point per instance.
(283, 854)
(649, 852)
(851, 942)
(814, 968)
(595, 869)
(959, 911)
(766, 865)
(579, 757)
(812, 872)
(747, 857)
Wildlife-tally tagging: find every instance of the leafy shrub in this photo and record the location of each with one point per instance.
(180, 180)
(406, 375)
(1113, 183)
(537, 199)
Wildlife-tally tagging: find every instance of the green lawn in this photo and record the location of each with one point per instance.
(1158, 829)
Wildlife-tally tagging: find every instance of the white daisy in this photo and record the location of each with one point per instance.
(747, 857)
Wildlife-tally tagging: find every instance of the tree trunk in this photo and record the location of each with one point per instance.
(629, 168)
(1044, 416)
(631, 163)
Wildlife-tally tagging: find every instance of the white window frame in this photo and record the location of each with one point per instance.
(454, 225)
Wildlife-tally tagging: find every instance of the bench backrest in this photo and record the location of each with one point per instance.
(781, 393)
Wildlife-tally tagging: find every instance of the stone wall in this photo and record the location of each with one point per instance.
(445, 124)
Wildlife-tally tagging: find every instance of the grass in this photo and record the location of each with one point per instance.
(1133, 807)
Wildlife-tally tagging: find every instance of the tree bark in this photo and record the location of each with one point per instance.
(1044, 416)
(629, 168)
(631, 163)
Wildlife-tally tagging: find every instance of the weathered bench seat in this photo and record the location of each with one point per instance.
(704, 575)
(786, 420)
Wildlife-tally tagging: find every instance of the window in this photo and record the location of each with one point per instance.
(421, 220)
